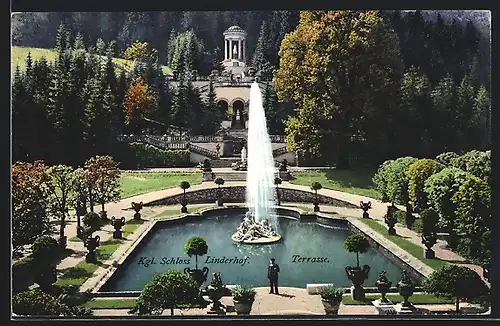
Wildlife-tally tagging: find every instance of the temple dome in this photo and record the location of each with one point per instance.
(234, 29)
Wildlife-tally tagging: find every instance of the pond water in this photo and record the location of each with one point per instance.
(310, 252)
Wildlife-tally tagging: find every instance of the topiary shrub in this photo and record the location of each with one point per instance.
(474, 218)
(380, 179)
(356, 243)
(397, 182)
(475, 162)
(92, 220)
(196, 246)
(418, 172)
(22, 274)
(440, 188)
(166, 291)
(45, 249)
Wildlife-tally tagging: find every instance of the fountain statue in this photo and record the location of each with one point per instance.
(260, 223)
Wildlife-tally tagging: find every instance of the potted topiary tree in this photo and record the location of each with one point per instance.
(184, 185)
(316, 186)
(390, 219)
(331, 297)
(196, 246)
(219, 181)
(243, 298)
(358, 244)
(429, 218)
(277, 182)
(456, 282)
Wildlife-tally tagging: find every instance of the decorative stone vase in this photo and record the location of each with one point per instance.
(383, 285)
(406, 288)
(429, 240)
(316, 205)
(220, 202)
(137, 207)
(365, 207)
(184, 206)
(391, 222)
(207, 167)
(117, 224)
(91, 243)
(215, 291)
(243, 307)
(199, 275)
(357, 276)
(331, 306)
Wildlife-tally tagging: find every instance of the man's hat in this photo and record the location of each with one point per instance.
(273, 259)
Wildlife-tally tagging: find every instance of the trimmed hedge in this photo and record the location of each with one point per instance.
(140, 155)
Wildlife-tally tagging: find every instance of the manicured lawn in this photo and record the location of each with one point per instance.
(417, 298)
(133, 183)
(19, 55)
(128, 303)
(358, 182)
(78, 274)
(172, 212)
(413, 249)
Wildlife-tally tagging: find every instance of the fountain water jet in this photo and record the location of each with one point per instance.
(260, 221)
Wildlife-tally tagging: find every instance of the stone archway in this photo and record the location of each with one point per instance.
(238, 109)
(223, 105)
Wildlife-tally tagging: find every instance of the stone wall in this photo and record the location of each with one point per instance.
(238, 194)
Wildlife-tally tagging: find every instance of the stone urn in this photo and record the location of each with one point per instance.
(357, 276)
(406, 288)
(383, 285)
(365, 207)
(390, 219)
(316, 205)
(117, 224)
(215, 291)
(220, 201)
(429, 240)
(184, 203)
(91, 243)
(199, 275)
(137, 208)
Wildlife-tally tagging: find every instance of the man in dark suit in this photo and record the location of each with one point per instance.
(272, 274)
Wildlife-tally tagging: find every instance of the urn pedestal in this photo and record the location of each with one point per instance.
(357, 275)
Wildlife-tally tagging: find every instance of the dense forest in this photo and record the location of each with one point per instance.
(443, 83)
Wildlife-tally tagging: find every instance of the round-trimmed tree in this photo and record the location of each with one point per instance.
(316, 186)
(455, 282)
(474, 218)
(184, 186)
(166, 291)
(380, 179)
(397, 182)
(356, 243)
(440, 188)
(418, 172)
(196, 246)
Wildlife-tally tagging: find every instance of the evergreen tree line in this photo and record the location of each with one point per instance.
(66, 111)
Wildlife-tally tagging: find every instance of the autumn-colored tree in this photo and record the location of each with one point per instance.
(140, 51)
(106, 174)
(30, 199)
(341, 68)
(61, 188)
(139, 102)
